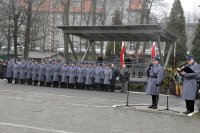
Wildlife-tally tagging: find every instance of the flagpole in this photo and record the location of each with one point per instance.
(174, 55)
(114, 47)
(150, 48)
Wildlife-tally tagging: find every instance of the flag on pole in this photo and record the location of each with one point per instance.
(123, 51)
(153, 50)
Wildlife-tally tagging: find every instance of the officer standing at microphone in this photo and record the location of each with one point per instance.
(190, 84)
(155, 74)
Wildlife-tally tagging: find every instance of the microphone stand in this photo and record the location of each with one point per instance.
(127, 101)
(167, 102)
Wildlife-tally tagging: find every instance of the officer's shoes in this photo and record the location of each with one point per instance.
(187, 112)
(150, 106)
(154, 107)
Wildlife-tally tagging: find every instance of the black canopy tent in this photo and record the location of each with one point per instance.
(136, 33)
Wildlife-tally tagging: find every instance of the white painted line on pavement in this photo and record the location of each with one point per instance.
(73, 104)
(33, 128)
(67, 96)
(143, 93)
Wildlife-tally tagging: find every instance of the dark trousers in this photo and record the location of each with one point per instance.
(42, 83)
(190, 105)
(81, 86)
(16, 80)
(22, 81)
(63, 84)
(71, 86)
(35, 82)
(106, 87)
(155, 99)
(29, 81)
(55, 84)
(48, 84)
(9, 80)
(101, 87)
(97, 86)
(88, 87)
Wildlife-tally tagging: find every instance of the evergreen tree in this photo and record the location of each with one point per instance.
(116, 20)
(176, 25)
(196, 44)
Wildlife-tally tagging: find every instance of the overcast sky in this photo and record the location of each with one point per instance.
(188, 5)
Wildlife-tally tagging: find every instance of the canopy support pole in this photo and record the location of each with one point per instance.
(159, 49)
(168, 56)
(88, 48)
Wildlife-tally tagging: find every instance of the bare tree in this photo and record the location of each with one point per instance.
(18, 19)
(28, 29)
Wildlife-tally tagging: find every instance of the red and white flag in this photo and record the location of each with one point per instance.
(153, 50)
(123, 51)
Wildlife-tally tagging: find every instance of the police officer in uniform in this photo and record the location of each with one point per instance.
(16, 71)
(35, 73)
(98, 76)
(190, 84)
(22, 70)
(88, 77)
(80, 75)
(72, 76)
(29, 72)
(1, 69)
(102, 76)
(49, 74)
(115, 73)
(41, 74)
(107, 75)
(156, 75)
(56, 73)
(9, 72)
(64, 79)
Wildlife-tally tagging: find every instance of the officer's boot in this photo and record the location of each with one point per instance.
(152, 102)
(156, 98)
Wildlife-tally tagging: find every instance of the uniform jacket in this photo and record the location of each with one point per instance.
(114, 75)
(88, 76)
(42, 75)
(80, 75)
(29, 71)
(124, 75)
(49, 73)
(16, 71)
(72, 75)
(22, 70)
(64, 73)
(56, 72)
(107, 75)
(156, 74)
(35, 72)
(190, 83)
(9, 72)
(98, 74)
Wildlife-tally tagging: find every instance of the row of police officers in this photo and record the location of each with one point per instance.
(55, 73)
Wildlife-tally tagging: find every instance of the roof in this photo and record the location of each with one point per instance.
(41, 55)
(121, 33)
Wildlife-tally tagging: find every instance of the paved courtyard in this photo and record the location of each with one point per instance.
(30, 109)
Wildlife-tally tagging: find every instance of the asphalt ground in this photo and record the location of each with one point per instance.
(34, 109)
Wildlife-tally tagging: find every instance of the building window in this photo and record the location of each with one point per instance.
(77, 18)
(100, 4)
(76, 3)
(57, 32)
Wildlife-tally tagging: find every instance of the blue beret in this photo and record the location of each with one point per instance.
(189, 57)
(156, 58)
